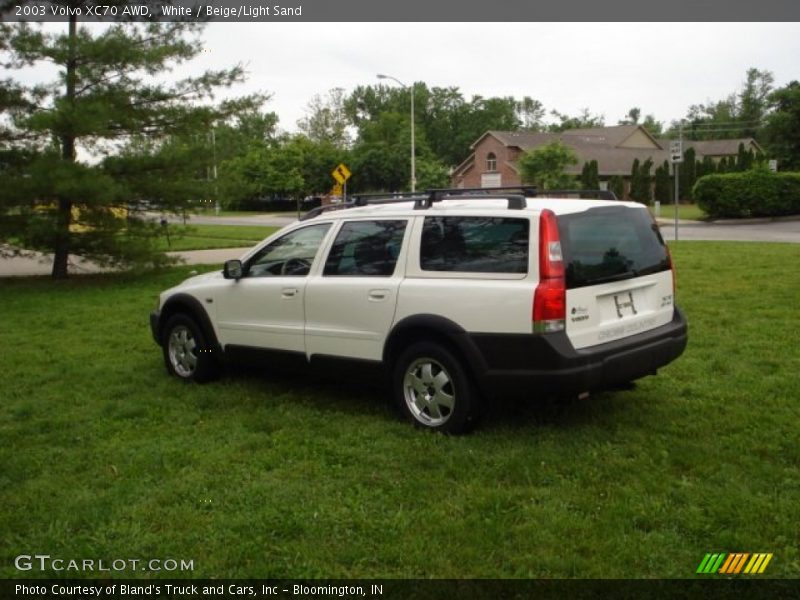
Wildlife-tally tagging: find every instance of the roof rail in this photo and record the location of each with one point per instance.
(515, 201)
(423, 202)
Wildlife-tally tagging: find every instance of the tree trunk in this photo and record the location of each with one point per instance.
(64, 215)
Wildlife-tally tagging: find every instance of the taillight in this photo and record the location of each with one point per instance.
(550, 298)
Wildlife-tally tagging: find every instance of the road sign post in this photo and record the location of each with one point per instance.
(341, 174)
(676, 156)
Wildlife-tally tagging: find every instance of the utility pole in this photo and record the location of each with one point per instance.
(413, 152)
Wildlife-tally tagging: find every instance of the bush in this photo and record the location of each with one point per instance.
(757, 193)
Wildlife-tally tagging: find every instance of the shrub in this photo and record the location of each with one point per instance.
(756, 193)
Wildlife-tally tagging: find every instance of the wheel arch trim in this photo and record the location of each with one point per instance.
(440, 327)
(184, 303)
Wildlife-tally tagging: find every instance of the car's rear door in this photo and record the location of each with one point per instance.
(350, 304)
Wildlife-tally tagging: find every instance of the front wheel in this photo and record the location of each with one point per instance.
(186, 353)
(433, 390)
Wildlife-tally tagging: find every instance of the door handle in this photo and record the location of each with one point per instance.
(288, 292)
(378, 295)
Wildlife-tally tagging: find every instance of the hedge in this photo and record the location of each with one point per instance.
(756, 193)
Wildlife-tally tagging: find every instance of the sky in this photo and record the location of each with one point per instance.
(662, 68)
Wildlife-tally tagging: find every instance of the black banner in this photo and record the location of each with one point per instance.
(405, 11)
(393, 589)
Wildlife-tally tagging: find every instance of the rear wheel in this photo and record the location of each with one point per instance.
(187, 356)
(433, 390)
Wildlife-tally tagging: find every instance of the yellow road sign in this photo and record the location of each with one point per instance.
(341, 173)
(336, 190)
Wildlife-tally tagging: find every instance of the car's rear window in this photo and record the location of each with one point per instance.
(610, 243)
(475, 244)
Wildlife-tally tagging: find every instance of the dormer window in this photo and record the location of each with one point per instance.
(491, 162)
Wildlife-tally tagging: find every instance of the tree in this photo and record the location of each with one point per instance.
(782, 131)
(740, 114)
(653, 127)
(753, 101)
(582, 121)
(590, 179)
(431, 174)
(687, 174)
(381, 155)
(663, 187)
(645, 182)
(545, 166)
(632, 118)
(617, 185)
(106, 105)
(327, 120)
(531, 114)
(705, 167)
(634, 189)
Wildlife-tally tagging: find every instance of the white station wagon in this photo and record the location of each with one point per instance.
(459, 297)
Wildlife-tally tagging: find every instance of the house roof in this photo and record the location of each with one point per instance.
(718, 147)
(603, 144)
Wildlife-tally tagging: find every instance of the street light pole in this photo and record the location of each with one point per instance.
(413, 152)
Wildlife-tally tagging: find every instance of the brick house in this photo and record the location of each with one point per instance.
(494, 155)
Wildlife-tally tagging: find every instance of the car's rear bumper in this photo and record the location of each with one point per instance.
(532, 365)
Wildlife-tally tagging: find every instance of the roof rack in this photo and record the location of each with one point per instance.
(598, 194)
(423, 202)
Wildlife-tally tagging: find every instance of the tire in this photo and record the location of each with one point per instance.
(432, 389)
(187, 355)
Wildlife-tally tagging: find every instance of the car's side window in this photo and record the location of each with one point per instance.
(290, 255)
(366, 249)
(475, 244)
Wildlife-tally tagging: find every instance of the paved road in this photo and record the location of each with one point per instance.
(752, 231)
(263, 220)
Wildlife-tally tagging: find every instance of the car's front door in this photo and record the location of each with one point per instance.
(265, 308)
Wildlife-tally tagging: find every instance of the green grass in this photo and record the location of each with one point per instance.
(104, 456)
(688, 212)
(202, 237)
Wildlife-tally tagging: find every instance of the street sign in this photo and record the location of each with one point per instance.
(773, 165)
(341, 173)
(675, 151)
(336, 190)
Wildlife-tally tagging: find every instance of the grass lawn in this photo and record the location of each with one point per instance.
(689, 212)
(257, 475)
(202, 237)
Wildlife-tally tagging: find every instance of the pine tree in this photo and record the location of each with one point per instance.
(645, 185)
(107, 135)
(663, 186)
(590, 179)
(635, 190)
(687, 174)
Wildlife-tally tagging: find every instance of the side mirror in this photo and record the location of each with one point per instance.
(233, 269)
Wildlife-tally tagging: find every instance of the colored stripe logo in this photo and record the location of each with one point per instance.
(734, 563)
